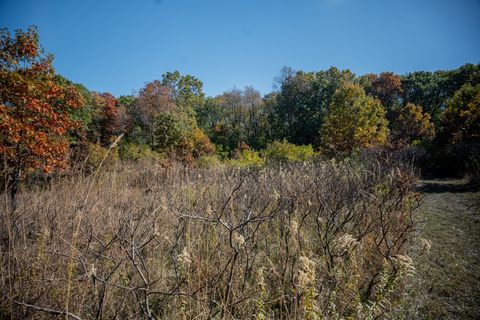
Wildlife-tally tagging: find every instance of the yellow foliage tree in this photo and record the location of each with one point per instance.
(461, 118)
(354, 120)
(413, 124)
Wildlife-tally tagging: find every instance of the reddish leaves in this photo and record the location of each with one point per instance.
(33, 109)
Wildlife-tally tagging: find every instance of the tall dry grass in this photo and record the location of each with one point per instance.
(299, 241)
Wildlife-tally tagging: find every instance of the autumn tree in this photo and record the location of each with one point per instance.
(461, 119)
(257, 114)
(387, 88)
(109, 118)
(425, 89)
(153, 99)
(179, 136)
(210, 114)
(413, 124)
(35, 112)
(165, 113)
(302, 103)
(366, 82)
(83, 115)
(354, 120)
(237, 116)
(186, 90)
(127, 106)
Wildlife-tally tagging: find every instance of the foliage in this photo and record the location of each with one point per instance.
(413, 124)
(387, 88)
(247, 158)
(82, 115)
(35, 112)
(172, 115)
(208, 161)
(236, 116)
(303, 102)
(186, 91)
(165, 120)
(461, 119)
(169, 132)
(97, 156)
(178, 135)
(109, 119)
(355, 120)
(209, 115)
(425, 89)
(432, 90)
(282, 151)
(201, 143)
(128, 101)
(153, 100)
(136, 152)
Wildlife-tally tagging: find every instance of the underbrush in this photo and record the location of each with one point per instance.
(460, 160)
(293, 241)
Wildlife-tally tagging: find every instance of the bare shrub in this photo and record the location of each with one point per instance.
(285, 242)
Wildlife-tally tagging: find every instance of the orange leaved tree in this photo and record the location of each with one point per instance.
(34, 111)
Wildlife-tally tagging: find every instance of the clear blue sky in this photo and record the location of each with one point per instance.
(119, 45)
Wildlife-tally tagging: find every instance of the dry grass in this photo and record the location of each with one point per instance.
(291, 242)
(447, 283)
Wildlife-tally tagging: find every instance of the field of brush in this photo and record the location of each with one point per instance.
(288, 241)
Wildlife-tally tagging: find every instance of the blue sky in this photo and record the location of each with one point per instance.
(118, 45)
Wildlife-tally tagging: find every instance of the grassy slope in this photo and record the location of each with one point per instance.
(447, 285)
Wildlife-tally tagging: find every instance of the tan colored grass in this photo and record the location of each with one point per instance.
(185, 243)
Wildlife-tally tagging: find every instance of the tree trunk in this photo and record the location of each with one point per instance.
(15, 181)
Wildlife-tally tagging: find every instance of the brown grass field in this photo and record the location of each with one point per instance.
(331, 240)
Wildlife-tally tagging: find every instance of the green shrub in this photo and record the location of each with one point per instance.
(248, 158)
(284, 151)
(208, 161)
(100, 156)
(135, 152)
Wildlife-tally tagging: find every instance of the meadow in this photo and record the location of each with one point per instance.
(287, 241)
(304, 203)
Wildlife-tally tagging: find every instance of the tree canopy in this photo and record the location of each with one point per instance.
(354, 120)
(44, 115)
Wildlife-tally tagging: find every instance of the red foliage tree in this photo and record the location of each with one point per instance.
(387, 87)
(109, 118)
(34, 111)
(153, 100)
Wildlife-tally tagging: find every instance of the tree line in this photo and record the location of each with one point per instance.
(48, 121)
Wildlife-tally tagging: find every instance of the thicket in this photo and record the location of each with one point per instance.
(298, 240)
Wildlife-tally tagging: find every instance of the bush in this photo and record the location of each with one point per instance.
(98, 155)
(248, 158)
(201, 143)
(323, 240)
(135, 152)
(180, 137)
(448, 161)
(282, 151)
(208, 161)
